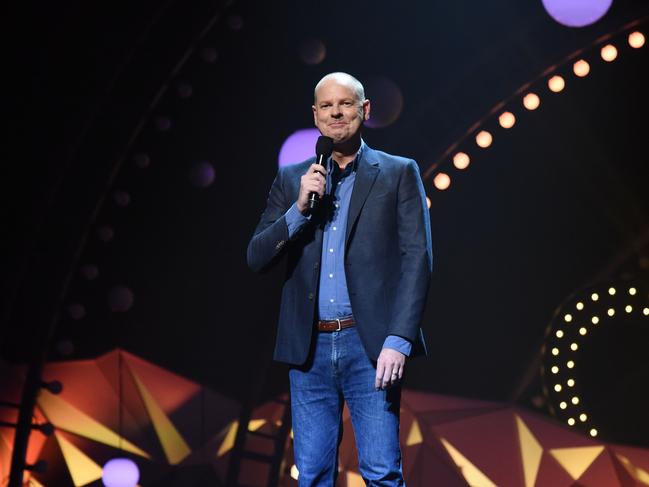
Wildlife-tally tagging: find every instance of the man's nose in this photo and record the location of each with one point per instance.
(336, 112)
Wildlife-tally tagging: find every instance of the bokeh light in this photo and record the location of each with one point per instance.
(89, 271)
(209, 54)
(556, 83)
(76, 311)
(235, 22)
(162, 123)
(608, 53)
(531, 101)
(581, 68)
(483, 139)
(442, 181)
(120, 472)
(184, 90)
(120, 299)
(461, 160)
(121, 198)
(299, 146)
(636, 40)
(105, 233)
(428, 202)
(507, 120)
(202, 174)
(577, 13)
(387, 101)
(142, 160)
(312, 51)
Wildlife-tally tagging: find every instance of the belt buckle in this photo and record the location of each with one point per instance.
(339, 325)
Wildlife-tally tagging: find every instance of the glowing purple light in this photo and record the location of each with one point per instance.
(202, 174)
(142, 160)
(312, 51)
(163, 123)
(105, 233)
(209, 54)
(387, 101)
(122, 198)
(120, 299)
(120, 472)
(89, 271)
(577, 13)
(76, 311)
(298, 147)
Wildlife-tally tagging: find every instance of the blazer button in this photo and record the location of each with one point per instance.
(280, 244)
(311, 296)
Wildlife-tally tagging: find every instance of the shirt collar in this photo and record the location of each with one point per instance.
(354, 164)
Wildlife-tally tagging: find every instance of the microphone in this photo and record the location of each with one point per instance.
(323, 149)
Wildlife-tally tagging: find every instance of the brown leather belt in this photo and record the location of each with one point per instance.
(336, 325)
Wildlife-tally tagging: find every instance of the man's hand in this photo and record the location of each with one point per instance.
(389, 368)
(313, 181)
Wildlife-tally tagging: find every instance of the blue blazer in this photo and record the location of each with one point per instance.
(388, 255)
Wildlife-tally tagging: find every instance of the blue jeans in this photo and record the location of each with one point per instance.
(339, 371)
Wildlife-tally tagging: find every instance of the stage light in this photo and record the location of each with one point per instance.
(571, 382)
(298, 146)
(575, 400)
(563, 405)
(202, 174)
(387, 101)
(610, 312)
(583, 417)
(571, 421)
(507, 120)
(581, 68)
(594, 296)
(555, 351)
(593, 432)
(577, 13)
(628, 308)
(531, 101)
(442, 181)
(594, 320)
(556, 84)
(555, 369)
(461, 160)
(120, 299)
(557, 387)
(574, 346)
(636, 39)
(428, 202)
(580, 306)
(632, 291)
(312, 51)
(120, 472)
(582, 331)
(608, 53)
(611, 291)
(570, 364)
(568, 318)
(645, 311)
(559, 333)
(483, 139)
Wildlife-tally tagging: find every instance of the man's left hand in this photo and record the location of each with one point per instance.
(389, 368)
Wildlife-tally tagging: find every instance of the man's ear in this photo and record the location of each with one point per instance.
(366, 110)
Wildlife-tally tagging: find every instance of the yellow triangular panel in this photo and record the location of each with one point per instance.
(83, 469)
(531, 452)
(65, 416)
(34, 483)
(354, 480)
(414, 436)
(637, 473)
(576, 460)
(255, 424)
(473, 476)
(173, 444)
(228, 441)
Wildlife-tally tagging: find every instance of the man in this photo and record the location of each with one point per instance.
(358, 270)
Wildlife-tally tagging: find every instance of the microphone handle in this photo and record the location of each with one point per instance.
(314, 198)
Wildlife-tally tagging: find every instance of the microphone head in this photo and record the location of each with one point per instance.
(324, 146)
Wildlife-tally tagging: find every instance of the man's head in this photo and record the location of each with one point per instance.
(340, 107)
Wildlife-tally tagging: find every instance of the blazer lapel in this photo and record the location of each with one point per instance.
(366, 172)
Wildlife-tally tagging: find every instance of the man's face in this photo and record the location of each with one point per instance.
(338, 113)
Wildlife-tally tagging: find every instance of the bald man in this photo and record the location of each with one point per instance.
(358, 271)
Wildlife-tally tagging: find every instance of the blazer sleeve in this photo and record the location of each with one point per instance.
(271, 234)
(413, 231)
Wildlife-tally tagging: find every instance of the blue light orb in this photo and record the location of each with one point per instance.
(577, 13)
(298, 147)
(120, 472)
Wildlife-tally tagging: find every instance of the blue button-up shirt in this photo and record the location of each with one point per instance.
(333, 296)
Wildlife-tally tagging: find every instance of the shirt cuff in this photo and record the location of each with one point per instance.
(399, 344)
(294, 220)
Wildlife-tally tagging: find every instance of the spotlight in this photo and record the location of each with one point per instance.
(557, 387)
(442, 181)
(610, 312)
(563, 405)
(556, 84)
(581, 68)
(608, 53)
(636, 39)
(507, 120)
(593, 432)
(574, 347)
(611, 291)
(594, 320)
(531, 101)
(483, 139)
(461, 160)
(583, 417)
(594, 296)
(555, 351)
(570, 364)
(580, 306)
(555, 369)
(559, 333)
(632, 291)
(568, 318)
(583, 331)
(575, 400)
(571, 421)
(628, 308)
(570, 382)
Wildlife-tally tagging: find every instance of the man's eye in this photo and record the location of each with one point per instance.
(347, 103)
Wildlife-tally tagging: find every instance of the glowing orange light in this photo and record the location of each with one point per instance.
(428, 202)
(461, 160)
(483, 139)
(531, 101)
(608, 53)
(581, 68)
(556, 83)
(636, 39)
(507, 120)
(442, 181)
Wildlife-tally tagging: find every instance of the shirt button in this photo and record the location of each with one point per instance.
(310, 296)
(331, 300)
(331, 250)
(335, 229)
(336, 205)
(331, 276)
